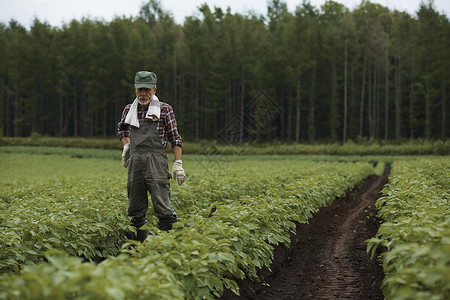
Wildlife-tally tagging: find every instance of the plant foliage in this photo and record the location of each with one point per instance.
(233, 213)
(416, 230)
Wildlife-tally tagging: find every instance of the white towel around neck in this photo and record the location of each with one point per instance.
(153, 112)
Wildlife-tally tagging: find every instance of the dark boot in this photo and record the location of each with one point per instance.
(165, 224)
(141, 234)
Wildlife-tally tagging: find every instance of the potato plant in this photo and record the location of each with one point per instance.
(232, 214)
(415, 209)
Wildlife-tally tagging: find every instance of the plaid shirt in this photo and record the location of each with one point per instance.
(167, 125)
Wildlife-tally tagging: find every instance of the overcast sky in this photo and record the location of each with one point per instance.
(57, 12)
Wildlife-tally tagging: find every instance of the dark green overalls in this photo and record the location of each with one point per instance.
(148, 170)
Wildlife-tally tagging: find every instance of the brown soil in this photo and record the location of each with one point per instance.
(327, 258)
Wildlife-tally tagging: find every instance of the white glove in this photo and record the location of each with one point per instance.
(125, 154)
(178, 173)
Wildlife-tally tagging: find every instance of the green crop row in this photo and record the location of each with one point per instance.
(59, 202)
(217, 154)
(85, 214)
(80, 216)
(206, 254)
(370, 147)
(232, 213)
(72, 152)
(66, 277)
(415, 209)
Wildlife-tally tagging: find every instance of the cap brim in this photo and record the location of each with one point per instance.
(144, 85)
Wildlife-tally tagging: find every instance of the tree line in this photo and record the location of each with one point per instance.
(330, 73)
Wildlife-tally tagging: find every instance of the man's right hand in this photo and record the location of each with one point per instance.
(125, 154)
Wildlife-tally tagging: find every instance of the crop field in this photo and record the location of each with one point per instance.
(64, 225)
(415, 209)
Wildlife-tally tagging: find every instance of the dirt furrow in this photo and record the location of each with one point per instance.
(327, 258)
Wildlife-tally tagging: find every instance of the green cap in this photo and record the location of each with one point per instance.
(145, 79)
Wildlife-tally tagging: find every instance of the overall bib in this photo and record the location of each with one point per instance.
(148, 170)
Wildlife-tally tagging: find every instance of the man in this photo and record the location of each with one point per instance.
(146, 126)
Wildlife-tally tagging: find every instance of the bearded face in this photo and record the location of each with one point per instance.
(144, 95)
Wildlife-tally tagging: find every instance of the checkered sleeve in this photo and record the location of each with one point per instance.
(171, 128)
(123, 130)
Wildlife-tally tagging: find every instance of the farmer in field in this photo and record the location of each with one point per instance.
(146, 126)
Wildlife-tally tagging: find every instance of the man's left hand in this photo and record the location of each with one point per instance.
(178, 173)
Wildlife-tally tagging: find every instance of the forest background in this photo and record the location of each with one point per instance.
(324, 74)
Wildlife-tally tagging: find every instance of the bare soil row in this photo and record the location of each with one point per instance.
(327, 258)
